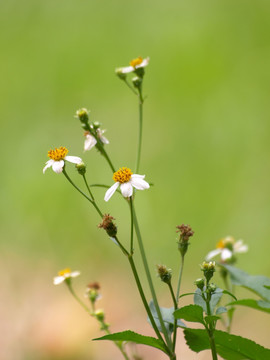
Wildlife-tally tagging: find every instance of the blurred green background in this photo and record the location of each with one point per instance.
(206, 148)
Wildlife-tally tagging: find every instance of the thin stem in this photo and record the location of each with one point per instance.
(140, 130)
(211, 328)
(175, 320)
(145, 303)
(180, 278)
(88, 188)
(149, 279)
(130, 87)
(104, 153)
(131, 226)
(173, 296)
(86, 308)
(83, 194)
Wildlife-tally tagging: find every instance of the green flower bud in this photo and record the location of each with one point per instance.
(99, 314)
(120, 74)
(137, 82)
(81, 168)
(82, 115)
(199, 283)
(208, 269)
(212, 288)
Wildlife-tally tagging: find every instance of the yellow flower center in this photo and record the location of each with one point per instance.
(58, 153)
(136, 62)
(122, 175)
(64, 272)
(225, 242)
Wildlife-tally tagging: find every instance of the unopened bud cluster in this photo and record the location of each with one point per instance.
(164, 273)
(81, 168)
(208, 269)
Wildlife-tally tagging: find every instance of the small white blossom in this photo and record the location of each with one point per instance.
(226, 248)
(133, 65)
(63, 275)
(127, 181)
(90, 140)
(58, 158)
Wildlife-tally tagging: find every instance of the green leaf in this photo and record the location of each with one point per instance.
(229, 293)
(193, 313)
(267, 287)
(257, 284)
(167, 316)
(221, 310)
(255, 304)
(229, 347)
(198, 300)
(211, 319)
(136, 338)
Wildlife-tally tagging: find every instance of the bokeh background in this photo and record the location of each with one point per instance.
(205, 147)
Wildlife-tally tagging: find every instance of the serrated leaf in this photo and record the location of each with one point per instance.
(221, 310)
(229, 347)
(193, 313)
(254, 304)
(136, 338)
(257, 284)
(198, 300)
(167, 316)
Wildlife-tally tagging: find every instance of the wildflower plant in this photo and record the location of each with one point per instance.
(211, 304)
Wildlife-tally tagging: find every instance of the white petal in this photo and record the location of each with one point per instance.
(212, 254)
(48, 164)
(104, 140)
(226, 254)
(144, 63)
(127, 69)
(139, 183)
(111, 191)
(74, 159)
(239, 247)
(126, 189)
(57, 166)
(89, 143)
(138, 176)
(74, 274)
(58, 280)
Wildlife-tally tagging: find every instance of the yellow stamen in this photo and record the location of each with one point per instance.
(64, 272)
(58, 153)
(223, 243)
(136, 62)
(122, 175)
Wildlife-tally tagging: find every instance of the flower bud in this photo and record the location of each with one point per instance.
(96, 125)
(99, 314)
(199, 283)
(82, 115)
(137, 82)
(120, 74)
(208, 269)
(212, 288)
(164, 273)
(81, 168)
(92, 292)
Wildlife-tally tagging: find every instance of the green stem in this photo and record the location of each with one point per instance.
(81, 192)
(88, 188)
(130, 87)
(68, 282)
(210, 329)
(180, 278)
(104, 153)
(149, 279)
(145, 303)
(131, 226)
(140, 130)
